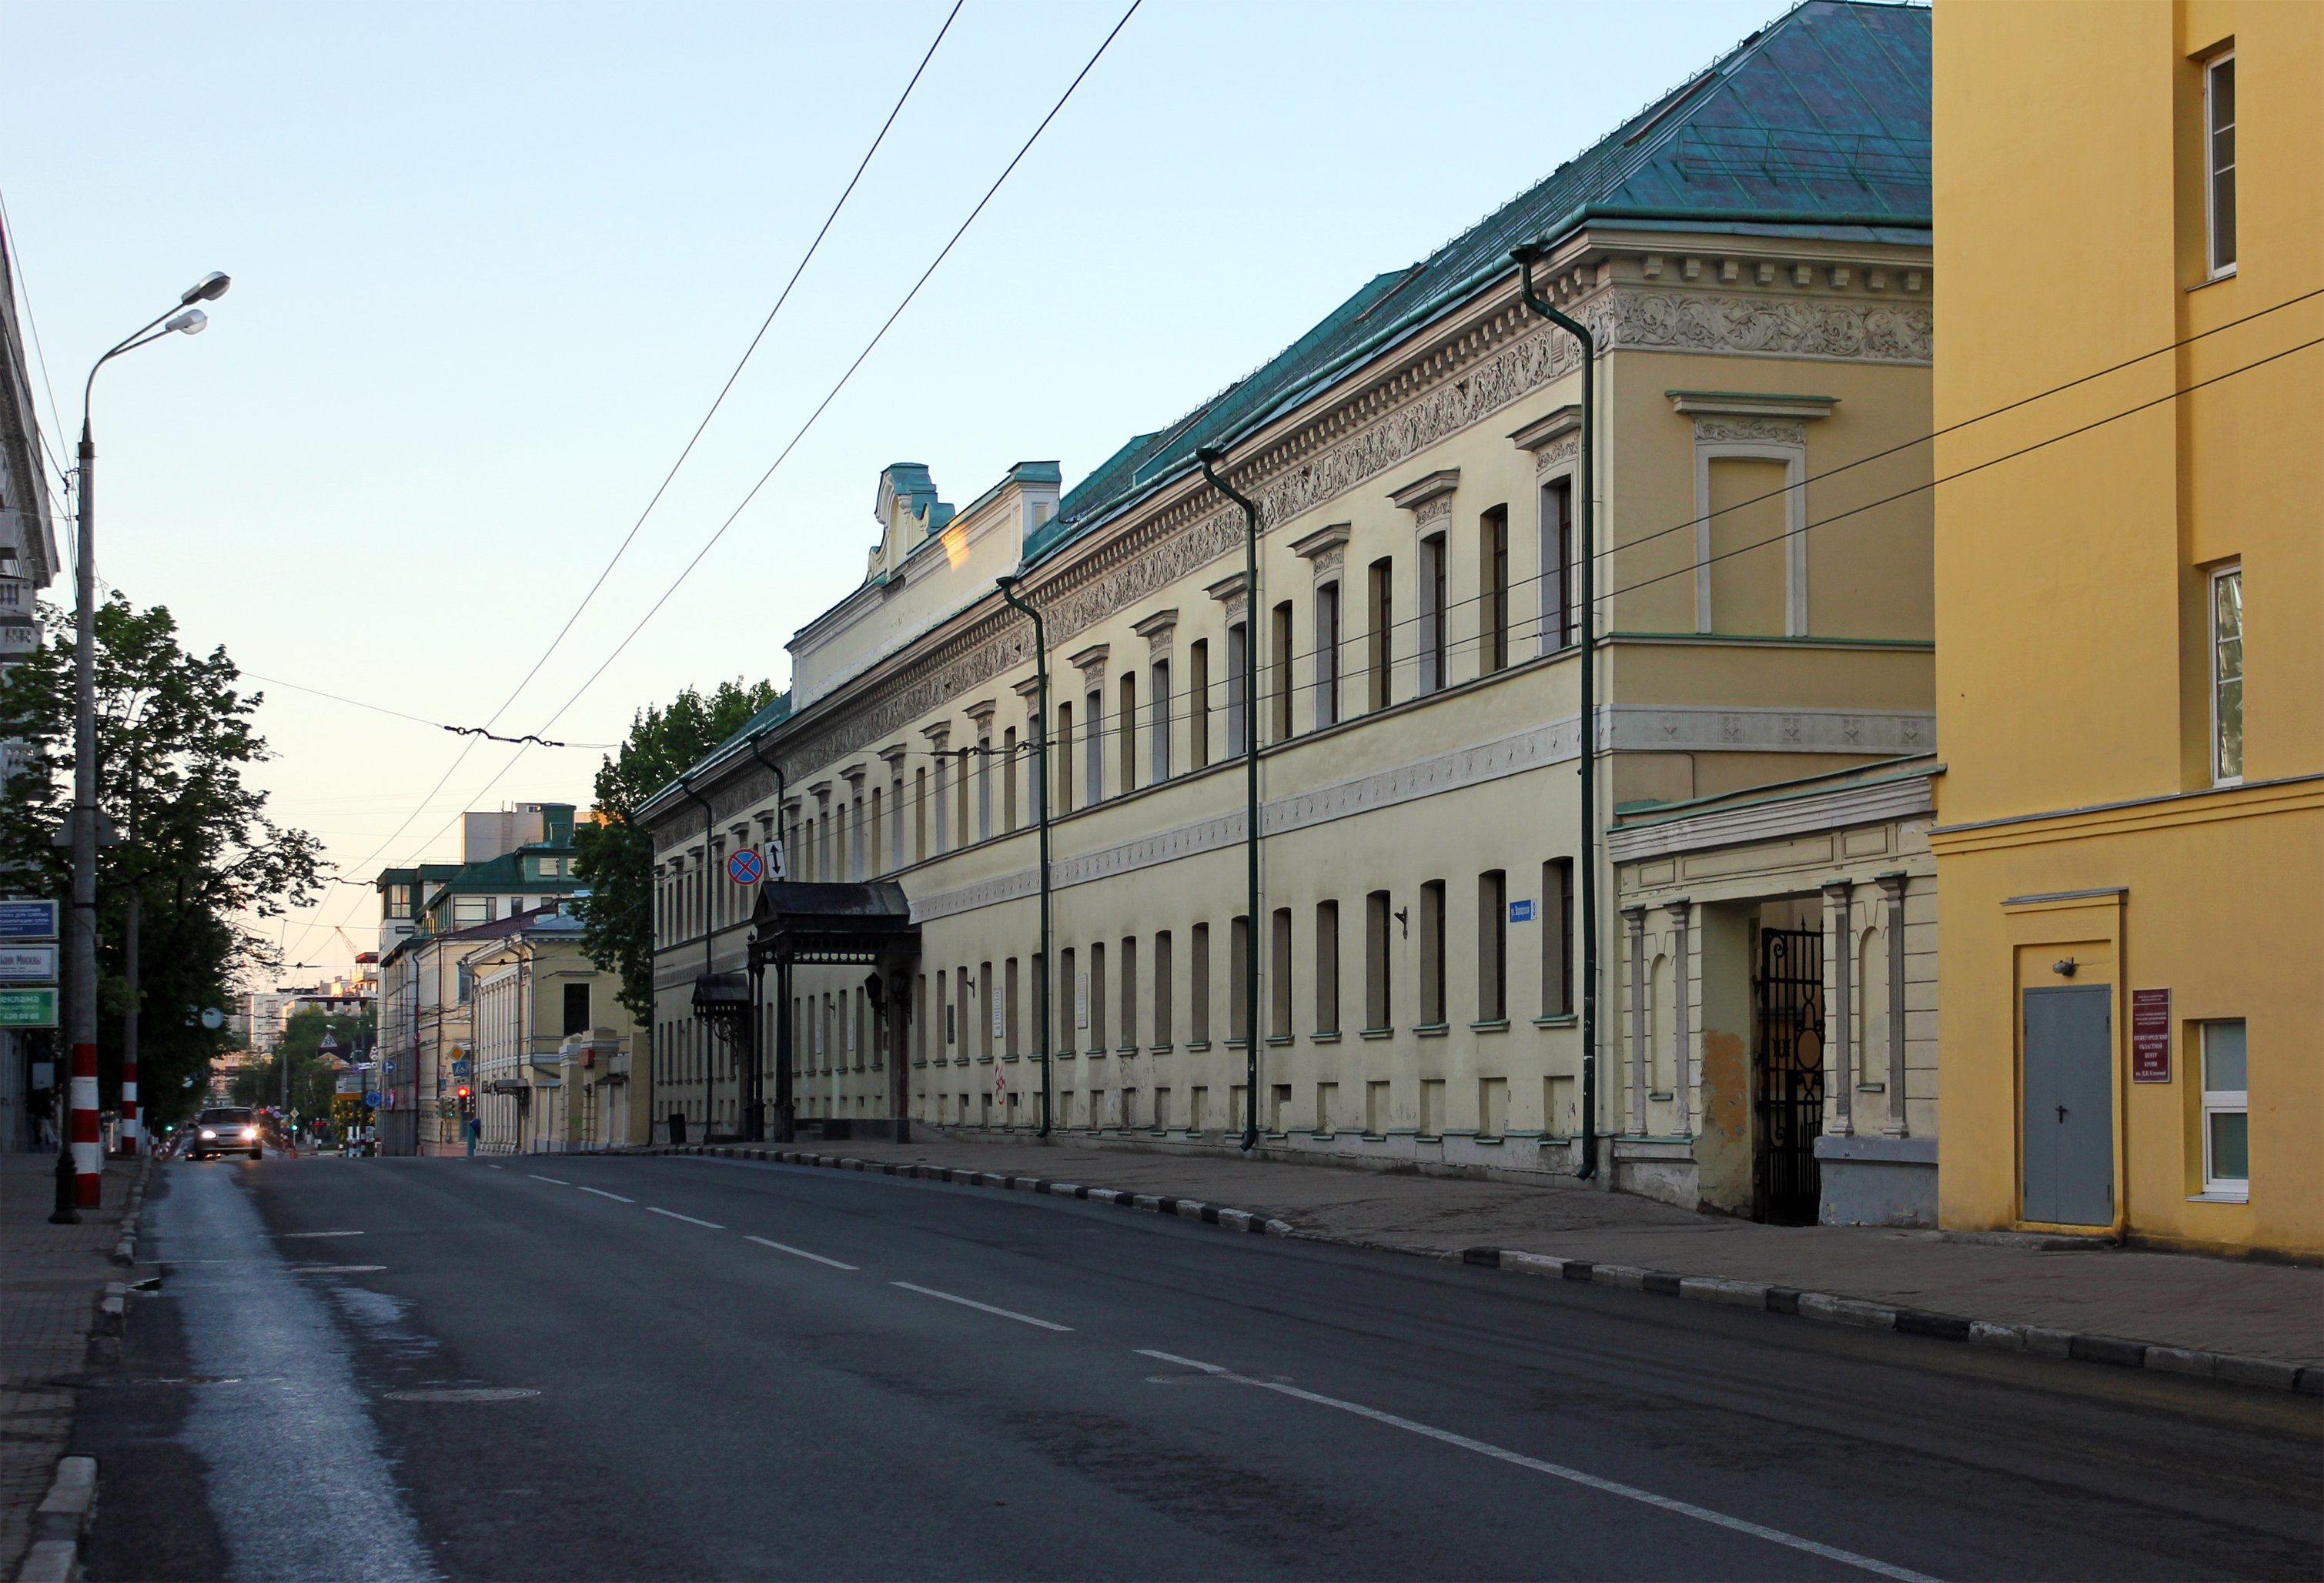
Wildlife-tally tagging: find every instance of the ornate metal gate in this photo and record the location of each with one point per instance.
(1788, 1096)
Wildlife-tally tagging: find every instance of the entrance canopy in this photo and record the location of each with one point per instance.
(868, 925)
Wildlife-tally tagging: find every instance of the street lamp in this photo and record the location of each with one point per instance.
(79, 1163)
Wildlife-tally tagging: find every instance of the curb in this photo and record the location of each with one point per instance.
(1826, 1306)
(61, 1523)
(125, 1251)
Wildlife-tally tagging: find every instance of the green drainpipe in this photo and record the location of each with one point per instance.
(1040, 814)
(1207, 455)
(1526, 257)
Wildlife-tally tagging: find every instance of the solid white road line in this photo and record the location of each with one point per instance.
(689, 1219)
(495, 1167)
(970, 1303)
(538, 1177)
(616, 1197)
(801, 1252)
(288, 1235)
(1572, 1474)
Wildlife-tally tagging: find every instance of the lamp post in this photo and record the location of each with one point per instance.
(79, 1161)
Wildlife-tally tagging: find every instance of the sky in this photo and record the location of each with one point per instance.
(492, 263)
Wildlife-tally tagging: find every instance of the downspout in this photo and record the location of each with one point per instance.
(783, 997)
(1207, 455)
(709, 822)
(1040, 813)
(1526, 257)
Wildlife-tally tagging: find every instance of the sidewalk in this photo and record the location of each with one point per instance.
(2200, 1306)
(52, 1289)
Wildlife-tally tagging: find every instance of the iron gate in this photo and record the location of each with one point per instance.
(1787, 1185)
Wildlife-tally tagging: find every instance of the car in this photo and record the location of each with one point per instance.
(224, 1130)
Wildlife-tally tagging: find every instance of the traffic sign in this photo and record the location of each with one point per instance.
(28, 920)
(28, 1009)
(743, 867)
(372, 1099)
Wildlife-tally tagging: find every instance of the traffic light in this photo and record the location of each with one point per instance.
(464, 1095)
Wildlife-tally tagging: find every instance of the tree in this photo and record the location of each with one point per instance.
(313, 1079)
(617, 855)
(196, 847)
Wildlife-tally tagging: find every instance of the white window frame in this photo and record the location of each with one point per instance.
(2211, 621)
(2225, 1102)
(1795, 458)
(2213, 269)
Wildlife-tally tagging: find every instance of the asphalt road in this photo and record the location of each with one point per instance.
(731, 1370)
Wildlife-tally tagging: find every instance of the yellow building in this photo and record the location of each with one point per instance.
(2130, 619)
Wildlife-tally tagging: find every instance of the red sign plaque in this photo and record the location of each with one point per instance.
(2150, 1036)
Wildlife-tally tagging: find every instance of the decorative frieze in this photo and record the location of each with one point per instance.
(1770, 431)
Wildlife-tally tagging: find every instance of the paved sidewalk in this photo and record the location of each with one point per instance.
(2205, 1305)
(52, 1281)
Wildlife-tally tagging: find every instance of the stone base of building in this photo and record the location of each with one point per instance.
(1877, 1180)
(1541, 1162)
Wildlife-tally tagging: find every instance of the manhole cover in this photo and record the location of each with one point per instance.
(463, 1393)
(335, 1269)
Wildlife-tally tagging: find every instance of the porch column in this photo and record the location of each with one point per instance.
(1681, 915)
(1634, 923)
(1840, 1013)
(1892, 888)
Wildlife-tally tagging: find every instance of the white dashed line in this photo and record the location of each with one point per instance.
(1026, 1319)
(800, 1252)
(689, 1219)
(286, 1235)
(1572, 1474)
(538, 1177)
(616, 1197)
(491, 1167)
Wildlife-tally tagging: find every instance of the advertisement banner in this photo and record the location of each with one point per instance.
(28, 1009)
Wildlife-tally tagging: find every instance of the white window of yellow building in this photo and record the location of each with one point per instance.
(2219, 161)
(2226, 1112)
(2227, 675)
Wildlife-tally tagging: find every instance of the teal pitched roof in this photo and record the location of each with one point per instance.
(1817, 125)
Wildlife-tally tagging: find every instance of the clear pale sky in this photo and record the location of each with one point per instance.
(491, 262)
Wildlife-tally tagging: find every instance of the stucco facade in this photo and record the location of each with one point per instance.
(552, 1045)
(2131, 672)
(1408, 662)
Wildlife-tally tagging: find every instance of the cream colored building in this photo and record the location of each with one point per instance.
(552, 1044)
(1751, 255)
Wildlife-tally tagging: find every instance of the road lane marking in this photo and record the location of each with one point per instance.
(490, 1167)
(689, 1219)
(538, 1177)
(801, 1252)
(616, 1197)
(1572, 1474)
(288, 1235)
(970, 1303)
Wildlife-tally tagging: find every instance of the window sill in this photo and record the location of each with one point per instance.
(1158, 1049)
(1490, 1139)
(984, 1059)
(1238, 1043)
(1011, 1060)
(1431, 1030)
(1377, 1033)
(2225, 274)
(1324, 1037)
(1097, 1054)
(1195, 1046)
(917, 1064)
(1497, 1025)
(1563, 1019)
(1126, 1050)
(2214, 1196)
(1278, 1038)
(1066, 1054)
(1872, 1088)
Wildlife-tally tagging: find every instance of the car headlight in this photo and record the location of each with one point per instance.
(250, 1132)
(207, 1132)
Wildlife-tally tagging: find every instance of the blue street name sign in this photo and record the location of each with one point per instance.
(1521, 912)
(28, 920)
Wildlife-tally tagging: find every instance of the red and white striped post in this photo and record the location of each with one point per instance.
(88, 1152)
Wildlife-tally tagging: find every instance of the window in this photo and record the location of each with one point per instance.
(1327, 654)
(1493, 552)
(2219, 162)
(1157, 709)
(577, 1008)
(1492, 946)
(468, 911)
(983, 787)
(1431, 954)
(1130, 732)
(1010, 1028)
(1162, 989)
(1377, 923)
(1008, 757)
(2227, 677)
(1557, 937)
(942, 762)
(1198, 704)
(399, 901)
(2227, 1113)
(1238, 687)
(1198, 986)
(1065, 757)
(1557, 582)
(1434, 615)
(1093, 749)
(1382, 597)
(1278, 962)
(879, 825)
(989, 996)
(960, 792)
(1130, 995)
(1238, 1005)
(1097, 999)
(1327, 967)
(1076, 1014)
(1279, 687)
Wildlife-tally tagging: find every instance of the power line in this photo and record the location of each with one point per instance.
(466, 730)
(720, 401)
(852, 367)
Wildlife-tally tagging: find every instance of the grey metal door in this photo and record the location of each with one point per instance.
(2069, 1118)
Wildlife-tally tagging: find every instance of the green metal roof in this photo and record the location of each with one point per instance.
(1817, 126)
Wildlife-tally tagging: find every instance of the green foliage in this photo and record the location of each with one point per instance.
(197, 849)
(314, 1081)
(616, 856)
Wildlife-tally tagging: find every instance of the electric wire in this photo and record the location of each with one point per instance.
(466, 730)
